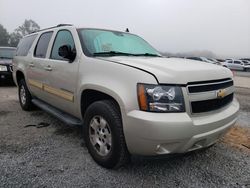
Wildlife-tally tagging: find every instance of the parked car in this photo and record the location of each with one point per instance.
(246, 59)
(204, 59)
(126, 96)
(217, 62)
(6, 56)
(242, 65)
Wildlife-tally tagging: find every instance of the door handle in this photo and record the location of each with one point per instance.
(31, 65)
(48, 68)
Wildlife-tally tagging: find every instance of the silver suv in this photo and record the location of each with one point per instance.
(126, 96)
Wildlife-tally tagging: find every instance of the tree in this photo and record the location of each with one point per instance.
(4, 36)
(14, 39)
(28, 27)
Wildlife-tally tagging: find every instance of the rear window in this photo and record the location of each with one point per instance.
(24, 45)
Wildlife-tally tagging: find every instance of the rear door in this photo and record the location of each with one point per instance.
(38, 67)
(63, 75)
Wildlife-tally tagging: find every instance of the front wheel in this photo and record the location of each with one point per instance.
(103, 134)
(24, 96)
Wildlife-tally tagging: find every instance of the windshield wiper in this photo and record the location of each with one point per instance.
(148, 54)
(124, 54)
(113, 53)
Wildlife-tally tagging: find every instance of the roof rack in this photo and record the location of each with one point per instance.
(59, 25)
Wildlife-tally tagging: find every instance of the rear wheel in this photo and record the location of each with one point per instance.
(24, 96)
(103, 134)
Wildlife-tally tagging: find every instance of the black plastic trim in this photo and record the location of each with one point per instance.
(63, 116)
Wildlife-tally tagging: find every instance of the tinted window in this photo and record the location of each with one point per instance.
(24, 45)
(230, 61)
(63, 37)
(195, 58)
(246, 62)
(237, 62)
(42, 45)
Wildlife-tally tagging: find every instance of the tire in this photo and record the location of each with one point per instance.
(110, 137)
(24, 96)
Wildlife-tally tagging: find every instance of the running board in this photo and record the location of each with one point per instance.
(64, 117)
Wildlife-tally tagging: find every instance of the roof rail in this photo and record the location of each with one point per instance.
(59, 25)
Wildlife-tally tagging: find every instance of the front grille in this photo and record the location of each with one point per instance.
(209, 85)
(212, 104)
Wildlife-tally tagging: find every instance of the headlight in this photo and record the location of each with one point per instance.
(3, 68)
(159, 98)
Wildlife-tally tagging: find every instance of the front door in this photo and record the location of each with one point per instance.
(63, 75)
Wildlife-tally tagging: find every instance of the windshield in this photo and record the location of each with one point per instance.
(7, 53)
(97, 42)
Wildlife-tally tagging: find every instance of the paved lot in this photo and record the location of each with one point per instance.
(242, 73)
(36, 150)
(243, 82)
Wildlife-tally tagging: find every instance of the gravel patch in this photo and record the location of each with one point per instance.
(37, 150)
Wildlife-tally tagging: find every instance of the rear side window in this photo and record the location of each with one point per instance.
(24, 45)
(63, 37)
(237, 62)
(42, 45)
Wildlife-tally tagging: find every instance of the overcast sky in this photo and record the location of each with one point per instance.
(220, 26)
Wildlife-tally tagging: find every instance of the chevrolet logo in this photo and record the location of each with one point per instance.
(221, 93)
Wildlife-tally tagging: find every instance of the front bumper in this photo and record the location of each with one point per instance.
(5, 75)
(162, 133)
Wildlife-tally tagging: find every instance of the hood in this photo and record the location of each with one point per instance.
(175, 70)
(5, 61)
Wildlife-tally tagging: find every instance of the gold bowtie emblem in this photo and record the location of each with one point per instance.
(221, 93)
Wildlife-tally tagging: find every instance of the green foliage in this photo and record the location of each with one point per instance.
(12, 39)
(4, 36)
(28, 27)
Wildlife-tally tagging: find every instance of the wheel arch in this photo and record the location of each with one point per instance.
(88, 96)
(19, 76)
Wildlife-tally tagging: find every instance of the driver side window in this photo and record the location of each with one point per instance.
(63, 37)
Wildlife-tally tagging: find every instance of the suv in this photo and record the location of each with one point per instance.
(6, 56)
(126, 96)
(242, 65)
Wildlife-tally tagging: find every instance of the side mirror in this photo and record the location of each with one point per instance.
(66, 52)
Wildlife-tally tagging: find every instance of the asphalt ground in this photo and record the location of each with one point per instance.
(37, 150)
(242, 73)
